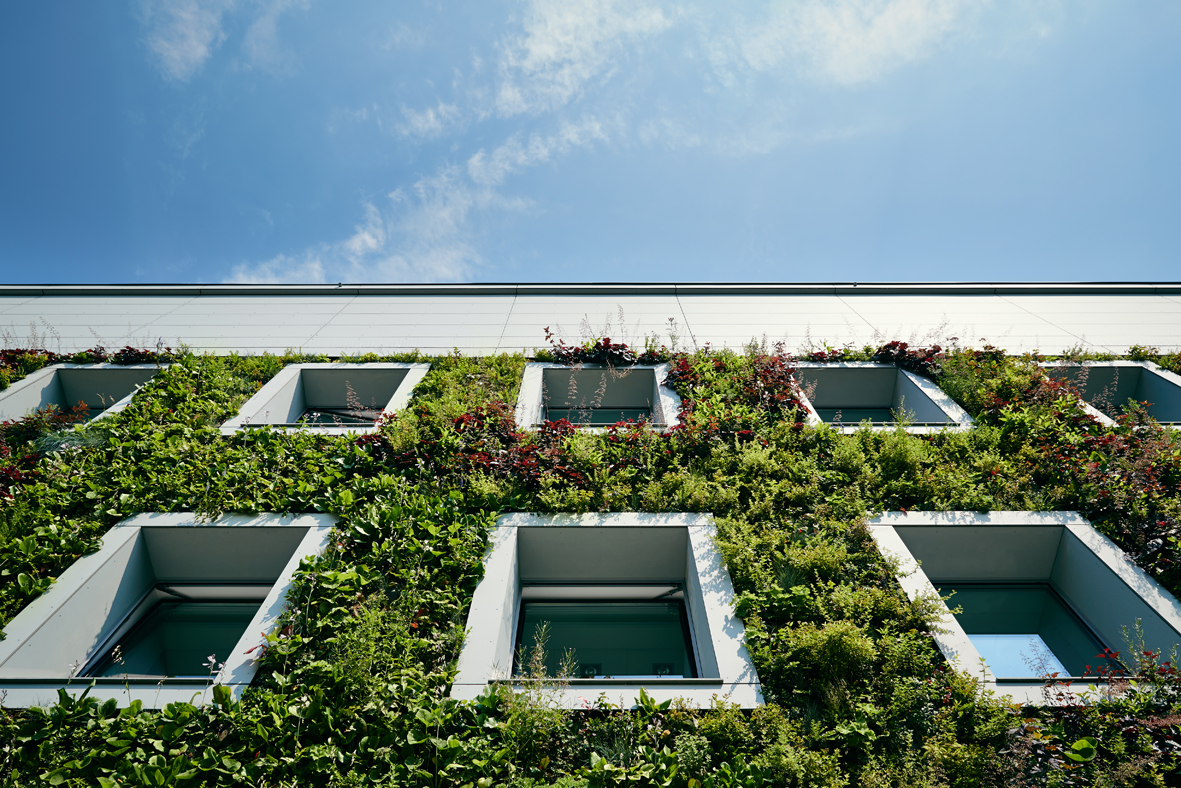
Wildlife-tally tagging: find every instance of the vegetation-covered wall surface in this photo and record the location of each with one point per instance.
(353, 686)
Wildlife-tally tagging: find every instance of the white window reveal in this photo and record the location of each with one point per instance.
(624, 601)
(852, 393)
(596, 396)
(336, 399)
(141, 616)
(94, 390)
(1039, 593)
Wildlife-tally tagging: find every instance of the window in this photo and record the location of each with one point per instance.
(851, 393)
(596, 396)
(93, 389)
(174, 628)
(608, 631)
(167, 591)
(636, 600)
(331, 398)
(1024, 630)
(1107, 386)
(1040, 592)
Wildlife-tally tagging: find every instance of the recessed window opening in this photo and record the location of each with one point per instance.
(1110, 386)
(175, 628)
(337, 398)
(333, 398)
(615, 632)
(1038, 592)
(850, 394)
(167, 590)
(637, 599)
(1024, 630)
(84, 391)
(596, 396)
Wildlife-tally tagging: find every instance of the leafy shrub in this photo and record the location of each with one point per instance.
(598, 351)
(693, 754)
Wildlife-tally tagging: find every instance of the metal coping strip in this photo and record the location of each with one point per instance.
(601, 288)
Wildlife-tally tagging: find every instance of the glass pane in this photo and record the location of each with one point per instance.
(1024, 630)
(329, 417)
(598, 417)
(176, 639)
(855, 415)
(1017, 655)
(618, 639)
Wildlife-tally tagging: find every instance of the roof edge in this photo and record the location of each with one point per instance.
(601, 288)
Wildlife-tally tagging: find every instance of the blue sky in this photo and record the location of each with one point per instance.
(590, 140)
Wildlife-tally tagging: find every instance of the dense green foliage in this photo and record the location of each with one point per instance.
(353, 689)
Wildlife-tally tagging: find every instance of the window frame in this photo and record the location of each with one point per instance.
(687, 631)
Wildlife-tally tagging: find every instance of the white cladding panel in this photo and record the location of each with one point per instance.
(512, 317)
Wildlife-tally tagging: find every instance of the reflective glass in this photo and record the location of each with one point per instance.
(611, 639)
(176, 639)
(329, 417)
(856, 415)
(1024, 630)
(598, 417)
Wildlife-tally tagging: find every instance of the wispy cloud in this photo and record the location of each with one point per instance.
(566, 43)
(594, 59)
(426, 232)
(404, 37)
(343, 118)
(421, 235)
(851, 41)
(261, 46)
(490, 169)
(182, 34)
(430, 122)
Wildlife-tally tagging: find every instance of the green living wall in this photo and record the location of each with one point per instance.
(353, 686)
